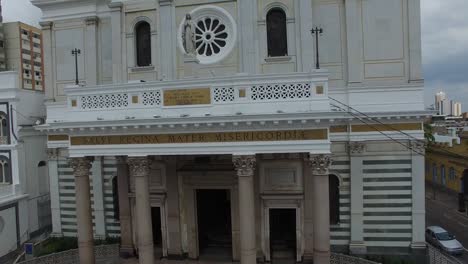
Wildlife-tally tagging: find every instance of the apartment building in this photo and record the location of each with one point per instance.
(23, 46)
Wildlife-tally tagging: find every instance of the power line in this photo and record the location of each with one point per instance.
(376, 120)
(376, 129)
(387, 125)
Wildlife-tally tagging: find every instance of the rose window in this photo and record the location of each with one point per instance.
(214, 32)
(210, 36)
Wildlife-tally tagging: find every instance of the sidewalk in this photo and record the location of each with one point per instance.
(444, 198)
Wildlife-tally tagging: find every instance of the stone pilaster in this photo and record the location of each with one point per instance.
(90, 52)
(247, 10)
(117, 51)
(319, 165)
(47, 40)
(53, 155)
(168, 43)
(245, 168)
(126, 242)
(81, 167)
(418, 191)
(139, 169)
(356, 151)
(354, 41)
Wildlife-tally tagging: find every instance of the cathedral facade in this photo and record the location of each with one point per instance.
(249, 130)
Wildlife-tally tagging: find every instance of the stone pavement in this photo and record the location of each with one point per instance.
(443, 211)
(165, 261)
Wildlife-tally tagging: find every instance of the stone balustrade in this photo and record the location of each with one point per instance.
(233, 95)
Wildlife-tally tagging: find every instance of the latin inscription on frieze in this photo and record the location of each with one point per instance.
(247, 136)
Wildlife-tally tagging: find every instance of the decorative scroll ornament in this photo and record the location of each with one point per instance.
(81, 166)
(418, 147)
(356, 147)
(52, 154)
(138, 166)
(244, 165)
(188, 36)
(320, 164)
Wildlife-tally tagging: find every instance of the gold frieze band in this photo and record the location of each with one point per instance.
(386, 127)
(247, 136)
(58, 137)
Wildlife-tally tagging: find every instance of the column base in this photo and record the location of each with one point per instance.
(418, 245)
(176, 256)
(357, 248)
(322, 257)
(308, 257)
(126, 251)
(56, 234)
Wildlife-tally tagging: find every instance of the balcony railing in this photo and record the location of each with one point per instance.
(240, 94)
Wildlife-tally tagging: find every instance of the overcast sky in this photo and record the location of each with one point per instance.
(444, 38)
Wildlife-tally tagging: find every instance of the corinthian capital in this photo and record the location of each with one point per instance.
(244, 164)
(52, 154)
(320, 164)
(418, 147)
(138, 166)
(356, 147)
(81, 166)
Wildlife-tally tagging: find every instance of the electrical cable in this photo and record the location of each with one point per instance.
(376, 129)
(389, 126)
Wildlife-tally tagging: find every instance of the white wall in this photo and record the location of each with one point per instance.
(8, 227)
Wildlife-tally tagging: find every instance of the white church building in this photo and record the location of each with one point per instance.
(204, 128)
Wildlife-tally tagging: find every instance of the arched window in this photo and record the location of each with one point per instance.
(334, 194)
(276, 33)
(442, 175)
(452, 176)
(143, 44)
(5, 174)
(3, 128)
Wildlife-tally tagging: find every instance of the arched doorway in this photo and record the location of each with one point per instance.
(334, 198)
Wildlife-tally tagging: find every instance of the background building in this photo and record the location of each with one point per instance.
(442, 104)
(456, 108)
(24, 184)
(447, 161)
(23, 48)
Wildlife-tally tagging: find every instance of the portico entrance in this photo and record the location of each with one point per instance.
(283, 235)
(214, 223)
(157, 234)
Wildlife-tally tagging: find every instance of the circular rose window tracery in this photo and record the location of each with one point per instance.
(214, 32)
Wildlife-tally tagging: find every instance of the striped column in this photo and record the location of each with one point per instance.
(357, 245)
(418, 194)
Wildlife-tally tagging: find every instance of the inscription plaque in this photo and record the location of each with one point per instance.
(196, 96)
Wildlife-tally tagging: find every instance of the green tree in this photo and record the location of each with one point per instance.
(428, 133)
